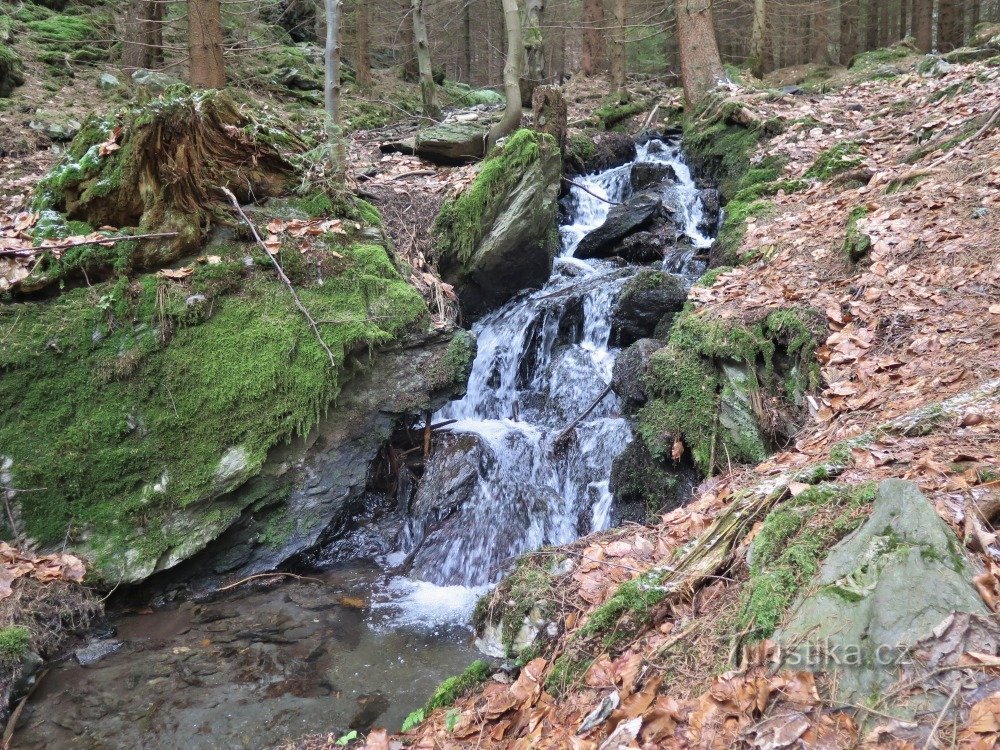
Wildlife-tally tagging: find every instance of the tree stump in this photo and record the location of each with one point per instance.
(548, 109)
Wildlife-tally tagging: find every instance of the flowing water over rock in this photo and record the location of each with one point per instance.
(361, 646)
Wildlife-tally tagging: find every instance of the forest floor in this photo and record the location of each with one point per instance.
(914, 323)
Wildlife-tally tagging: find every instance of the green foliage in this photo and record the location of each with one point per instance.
(458, 227)
(790, 547)
(413, 719)
(346, 738)
(120, 399)
(712, 275)
(315, 205)
(454, 688)
(834, 160)
(14, 642)
(644, 49)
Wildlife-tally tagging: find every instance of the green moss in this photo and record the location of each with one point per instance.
(528, 586)
(368, 213)
(616, 110)
(856, 243)
(459, 225)
(790, 547)
(760, 190)
(454, 688)
(62, 40)
(580, 148)
(14, 642)
(730, 237)
(876, 57)
(834, 160)
(712, 275)
(315, 205)
(11, 70)
(567, 670)
(120, 399)
(628, 609)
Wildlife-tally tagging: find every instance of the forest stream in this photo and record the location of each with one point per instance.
(380, 616)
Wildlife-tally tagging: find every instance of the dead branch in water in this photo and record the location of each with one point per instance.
(591, 193)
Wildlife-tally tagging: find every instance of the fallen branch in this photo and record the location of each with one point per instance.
(569, 428)
(649, 119)
(267, 575)
(590, 192)
(282, 275)
(8, 734)
(31, 251)
(414, 173)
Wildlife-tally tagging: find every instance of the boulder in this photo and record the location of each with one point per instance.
(449, 143)
(638, 211)
(57, 132)
(108, 81)
(964, 55)
(548, 111)
(646, 173)
(710, 210)
(898, 581)
(11, 71)
(644, 488)
(153, 81)
(628, 378)
(986, 34)
(590, 152)
(641, 247)
(647, 299)
(498, 236)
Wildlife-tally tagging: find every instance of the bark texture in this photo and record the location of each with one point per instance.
(207, 67)
(142, 45)
(363, 64)
(534, 50)
(331, 88)
(701, 66)
(950, 25)
(849, 10)
(923, 18)
(511, 119)
(761, 53)
(821, 32)
(548, 110)
(427, 91)
(618, 48)
(593, 37)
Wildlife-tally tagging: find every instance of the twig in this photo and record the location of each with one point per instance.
(651, 116)
(281, 274)
(8, 734)
(989, 124)
(31, 251)
(590, 192)
(414, 173)
(562, 435)
(267, 575)
(940, 718)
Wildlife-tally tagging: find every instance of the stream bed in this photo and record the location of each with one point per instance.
(365, 641)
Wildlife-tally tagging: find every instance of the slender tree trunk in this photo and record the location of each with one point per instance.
(406, 45)
(207, 68)
(331, 89)
(871, 25)
(949, 25)
(701, 66)
(362, 13)
(467, 39)
(821, 32)
(618, 49)
(534, 50)
(923, 19)
(883, 23)
(593, 37)
(427, 90)
(903, 18)
(142, 45)
(511, 119)
(761, 52)
(848, 30)
(974, 13)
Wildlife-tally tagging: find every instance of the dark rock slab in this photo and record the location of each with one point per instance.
(646, 300)
(637, 212)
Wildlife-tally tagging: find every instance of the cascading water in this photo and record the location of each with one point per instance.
(543, 360)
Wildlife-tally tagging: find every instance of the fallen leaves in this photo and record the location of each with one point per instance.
(15, 564)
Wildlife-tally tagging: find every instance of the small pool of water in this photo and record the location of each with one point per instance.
(260, 666)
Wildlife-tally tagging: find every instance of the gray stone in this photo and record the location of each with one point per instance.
(153, 81)
(635, 213)
(97, 650)
(60, 132)
(108, 81)
(646, 173)
(883, 589)
(964, 55)
(451, 143)
(642, 247)
(736, 413)
(646, 300)
(628, 378)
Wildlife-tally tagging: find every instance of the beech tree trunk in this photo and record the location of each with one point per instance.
(950, 25)
(618, 48)
(534, 50)
(923, 18)
(849, 10)
(427, 90)
(761, 52)
(821, 32)
(701, 66)
(593, 37)
(207, 67)
(511, 119)
(331, 88)
(142, 46)
(363, 64)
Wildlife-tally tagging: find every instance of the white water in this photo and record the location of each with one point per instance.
(542, 360)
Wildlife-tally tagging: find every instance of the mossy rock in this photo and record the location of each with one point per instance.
(986, 34)
(64, 40)
(159, 168)
(964, 55)
(11, 70)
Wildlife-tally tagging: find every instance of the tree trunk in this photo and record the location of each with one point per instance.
(467, 39)
(363, 65)
(761, 53)
(618, 49)
(949, 25)
(871, 25)
(903, 18)
(974, 13)
(923, 18)
(427, 90)
(848, 30)
(407, 47)
(534, 50)
(701, 67)
(207, 68)
(593, 37)
(331, 89)
(142, 45)
(821, 32)
(548, 109)
(883, 23)
(511, 119)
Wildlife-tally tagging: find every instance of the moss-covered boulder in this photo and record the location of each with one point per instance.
(449, 143)
(650, 299)
(498, 236)
(159, 168)
(11, 70)
(137, 409)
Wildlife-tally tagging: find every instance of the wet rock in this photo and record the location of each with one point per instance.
(647, 299)
(153, 81)
(898, 581)
(628, 379)
(711, 209)
(94, 652)
(645, 487)
(645, 173)
(370, 707)
(641, 247)
(603, 151)
(635, 213)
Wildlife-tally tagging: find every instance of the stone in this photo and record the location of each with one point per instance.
(299, 79)
(628, 378)
(636, 212)
(609, 150)
(644, 487)
(449, 143)
(97, 650)
(641, 247)
(986, 35)
(153, 81)
(647, 298)
(711, 209)
(736, 412)
(646, 173)
(488, 97)
(108, 81)
(59, 132)
(964, 55)
(895, 582)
